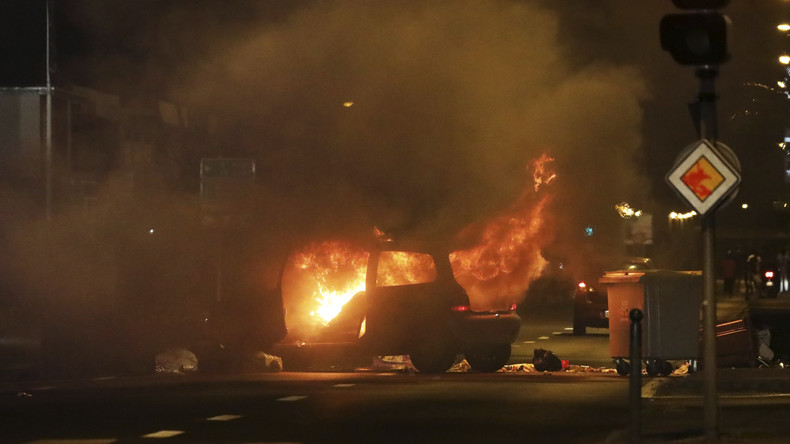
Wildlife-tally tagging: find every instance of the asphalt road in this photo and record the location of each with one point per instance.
(374, 405)
(551, 328)
(321, 407)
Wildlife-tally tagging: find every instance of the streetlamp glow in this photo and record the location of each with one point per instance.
(784, 59)
(784, 27)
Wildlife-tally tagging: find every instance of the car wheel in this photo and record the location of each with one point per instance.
(623, 368)
(652, 368)
(665, 368)
(433, 357)
(488, 358)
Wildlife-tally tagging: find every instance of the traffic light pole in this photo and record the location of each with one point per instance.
(708, 130)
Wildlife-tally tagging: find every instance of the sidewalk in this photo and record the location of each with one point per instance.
(753, 403)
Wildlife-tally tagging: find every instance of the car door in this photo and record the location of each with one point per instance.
(401, 299)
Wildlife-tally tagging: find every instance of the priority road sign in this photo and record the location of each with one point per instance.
(704, 176)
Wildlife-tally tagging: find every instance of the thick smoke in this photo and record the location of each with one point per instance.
(420, 118)
(449, 102)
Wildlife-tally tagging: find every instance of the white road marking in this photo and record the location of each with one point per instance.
(292, 398)
(343, 385)
(226, 417)
(164, 434)
(74, 441)
(543, 338)
(528, 342)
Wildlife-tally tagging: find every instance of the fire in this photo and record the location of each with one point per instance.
(540, 174)
(498, 271)
(330, 274)
(405, 267)
(322, 278)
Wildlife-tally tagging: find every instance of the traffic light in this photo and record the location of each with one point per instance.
(696, 39)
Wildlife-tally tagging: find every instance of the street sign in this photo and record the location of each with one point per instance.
(704, 175)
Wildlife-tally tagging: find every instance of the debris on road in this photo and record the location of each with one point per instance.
(175, 361)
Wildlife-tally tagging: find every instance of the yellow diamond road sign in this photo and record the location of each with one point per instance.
(703, 177)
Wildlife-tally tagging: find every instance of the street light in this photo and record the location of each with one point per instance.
(784, 27)
(784, 59)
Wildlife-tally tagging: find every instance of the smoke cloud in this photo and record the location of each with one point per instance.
(446, 103)
(421, 118)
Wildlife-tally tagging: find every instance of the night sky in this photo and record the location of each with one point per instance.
(452, 100)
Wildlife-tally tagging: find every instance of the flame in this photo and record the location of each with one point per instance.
(540, 175)
(405, 267)
(329, 274)
(321, 279)
(497, 272)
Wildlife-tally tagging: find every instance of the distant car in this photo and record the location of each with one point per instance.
(590, 301)
(430, 318)
(769, 287)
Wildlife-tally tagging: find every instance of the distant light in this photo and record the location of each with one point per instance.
(783, 27)
(744, 205)
(164, 434)
(784, 59)
(682, 216)
(625, 211)
(151, 231)
(589, 231)
(348, 104)
(781, 84)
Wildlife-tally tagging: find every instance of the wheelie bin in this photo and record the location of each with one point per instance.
(670, 302)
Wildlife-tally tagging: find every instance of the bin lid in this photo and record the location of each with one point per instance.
(646, 276)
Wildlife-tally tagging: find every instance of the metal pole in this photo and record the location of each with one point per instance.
(708, 130)
(48, 130)
(635, 382)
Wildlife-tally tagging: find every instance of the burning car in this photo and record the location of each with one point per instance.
(388, 299)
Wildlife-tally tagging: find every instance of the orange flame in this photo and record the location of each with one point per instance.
(540, 175)
(495, 273)
(330, 274)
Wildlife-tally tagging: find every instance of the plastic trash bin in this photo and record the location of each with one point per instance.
(670, 301)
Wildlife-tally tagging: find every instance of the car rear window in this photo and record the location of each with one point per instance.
(405, 268)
